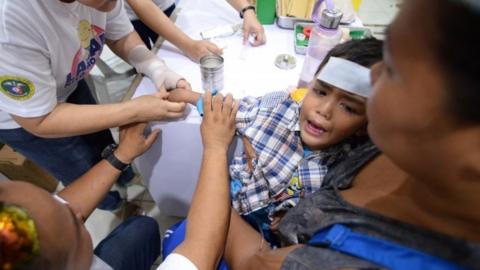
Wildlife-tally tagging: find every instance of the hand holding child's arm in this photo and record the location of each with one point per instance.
(218, 125)
(207, 230)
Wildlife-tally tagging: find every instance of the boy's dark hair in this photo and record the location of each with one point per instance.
(455, 42)
(365, 52)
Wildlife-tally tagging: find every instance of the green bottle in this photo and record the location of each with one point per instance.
(266, 11)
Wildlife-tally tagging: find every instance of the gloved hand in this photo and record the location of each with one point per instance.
(153, 67)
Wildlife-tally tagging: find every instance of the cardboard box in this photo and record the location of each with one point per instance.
(16, 167)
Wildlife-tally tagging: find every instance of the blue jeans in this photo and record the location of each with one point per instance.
(134, 244)
(145, 32)
(68, 158)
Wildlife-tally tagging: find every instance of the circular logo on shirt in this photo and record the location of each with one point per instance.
(16, 87)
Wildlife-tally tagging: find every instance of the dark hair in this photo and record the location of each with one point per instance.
(365, 52)
(457, 49)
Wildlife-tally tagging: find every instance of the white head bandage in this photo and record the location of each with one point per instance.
(346, 75)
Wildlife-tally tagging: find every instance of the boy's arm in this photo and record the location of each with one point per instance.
(151, 15)
(183, 95)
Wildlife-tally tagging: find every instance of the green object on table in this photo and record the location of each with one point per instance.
(266, 11)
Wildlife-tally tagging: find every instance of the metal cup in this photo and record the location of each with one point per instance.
(211, 68)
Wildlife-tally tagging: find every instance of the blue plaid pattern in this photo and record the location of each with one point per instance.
(271, 125)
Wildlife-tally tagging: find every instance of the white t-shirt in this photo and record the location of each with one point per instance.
(46, 47)
(162, 4)
(176, 261)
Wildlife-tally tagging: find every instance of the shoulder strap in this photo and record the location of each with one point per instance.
(382, 252)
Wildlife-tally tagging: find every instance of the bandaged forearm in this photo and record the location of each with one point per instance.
(151, 66)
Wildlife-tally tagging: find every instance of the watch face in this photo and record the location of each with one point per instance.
(108, 150)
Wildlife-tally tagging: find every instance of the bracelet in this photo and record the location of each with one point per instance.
(200, 102)
(242, 12)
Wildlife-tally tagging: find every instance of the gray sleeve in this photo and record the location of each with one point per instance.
(309, 258)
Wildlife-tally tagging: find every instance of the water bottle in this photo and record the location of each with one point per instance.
(324, 36)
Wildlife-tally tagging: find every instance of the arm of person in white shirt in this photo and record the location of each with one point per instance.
(68, 119)
(151, 15)
(71, 119)
(251, 26)
(209, 214)
(85, 193)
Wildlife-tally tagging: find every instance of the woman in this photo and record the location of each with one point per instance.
(47, 112)
(421, 194)
(150, 19)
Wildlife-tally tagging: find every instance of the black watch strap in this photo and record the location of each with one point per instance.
(242, 12)
(108, 155)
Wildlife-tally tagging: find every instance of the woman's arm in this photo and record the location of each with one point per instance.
(209, 213)
(68, 119)
(85, 193)
(151, 15)
(246, 249)
(251, 26)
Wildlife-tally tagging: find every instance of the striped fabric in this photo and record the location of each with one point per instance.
(271, 125)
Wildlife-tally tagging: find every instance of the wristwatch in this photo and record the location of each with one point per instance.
(109, 156)
(242, 12)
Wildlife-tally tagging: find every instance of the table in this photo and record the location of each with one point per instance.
(171, 167)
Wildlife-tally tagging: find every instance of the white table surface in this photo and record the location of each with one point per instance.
(171, 167)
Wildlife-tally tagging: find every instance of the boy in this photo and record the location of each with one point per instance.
(289, 146)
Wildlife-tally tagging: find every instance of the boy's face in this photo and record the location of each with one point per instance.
(329, 115)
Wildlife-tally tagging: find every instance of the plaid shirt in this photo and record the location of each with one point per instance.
(271, 125)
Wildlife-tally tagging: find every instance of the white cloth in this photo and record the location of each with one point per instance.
(99, 264)
(46, 47)
(162, 4)
(177, 261)
(347, 75)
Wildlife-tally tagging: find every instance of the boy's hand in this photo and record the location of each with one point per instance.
(182, 83)
(133, 142)
(183, 95)
(218, 125)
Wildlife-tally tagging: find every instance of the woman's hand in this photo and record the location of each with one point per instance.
(133, 142)
(218, 125)
(156, 107)
(251, 26)
(199, 48)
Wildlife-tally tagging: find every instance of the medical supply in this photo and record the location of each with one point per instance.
(346, 75)
(285, 61)
(323, 37)
(302, 32)
(221, 31)
(211, 67)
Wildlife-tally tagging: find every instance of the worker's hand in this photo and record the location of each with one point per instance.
(251, 26)
(156, 107)
(133, 142)
(199, 48)
(218, 125)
